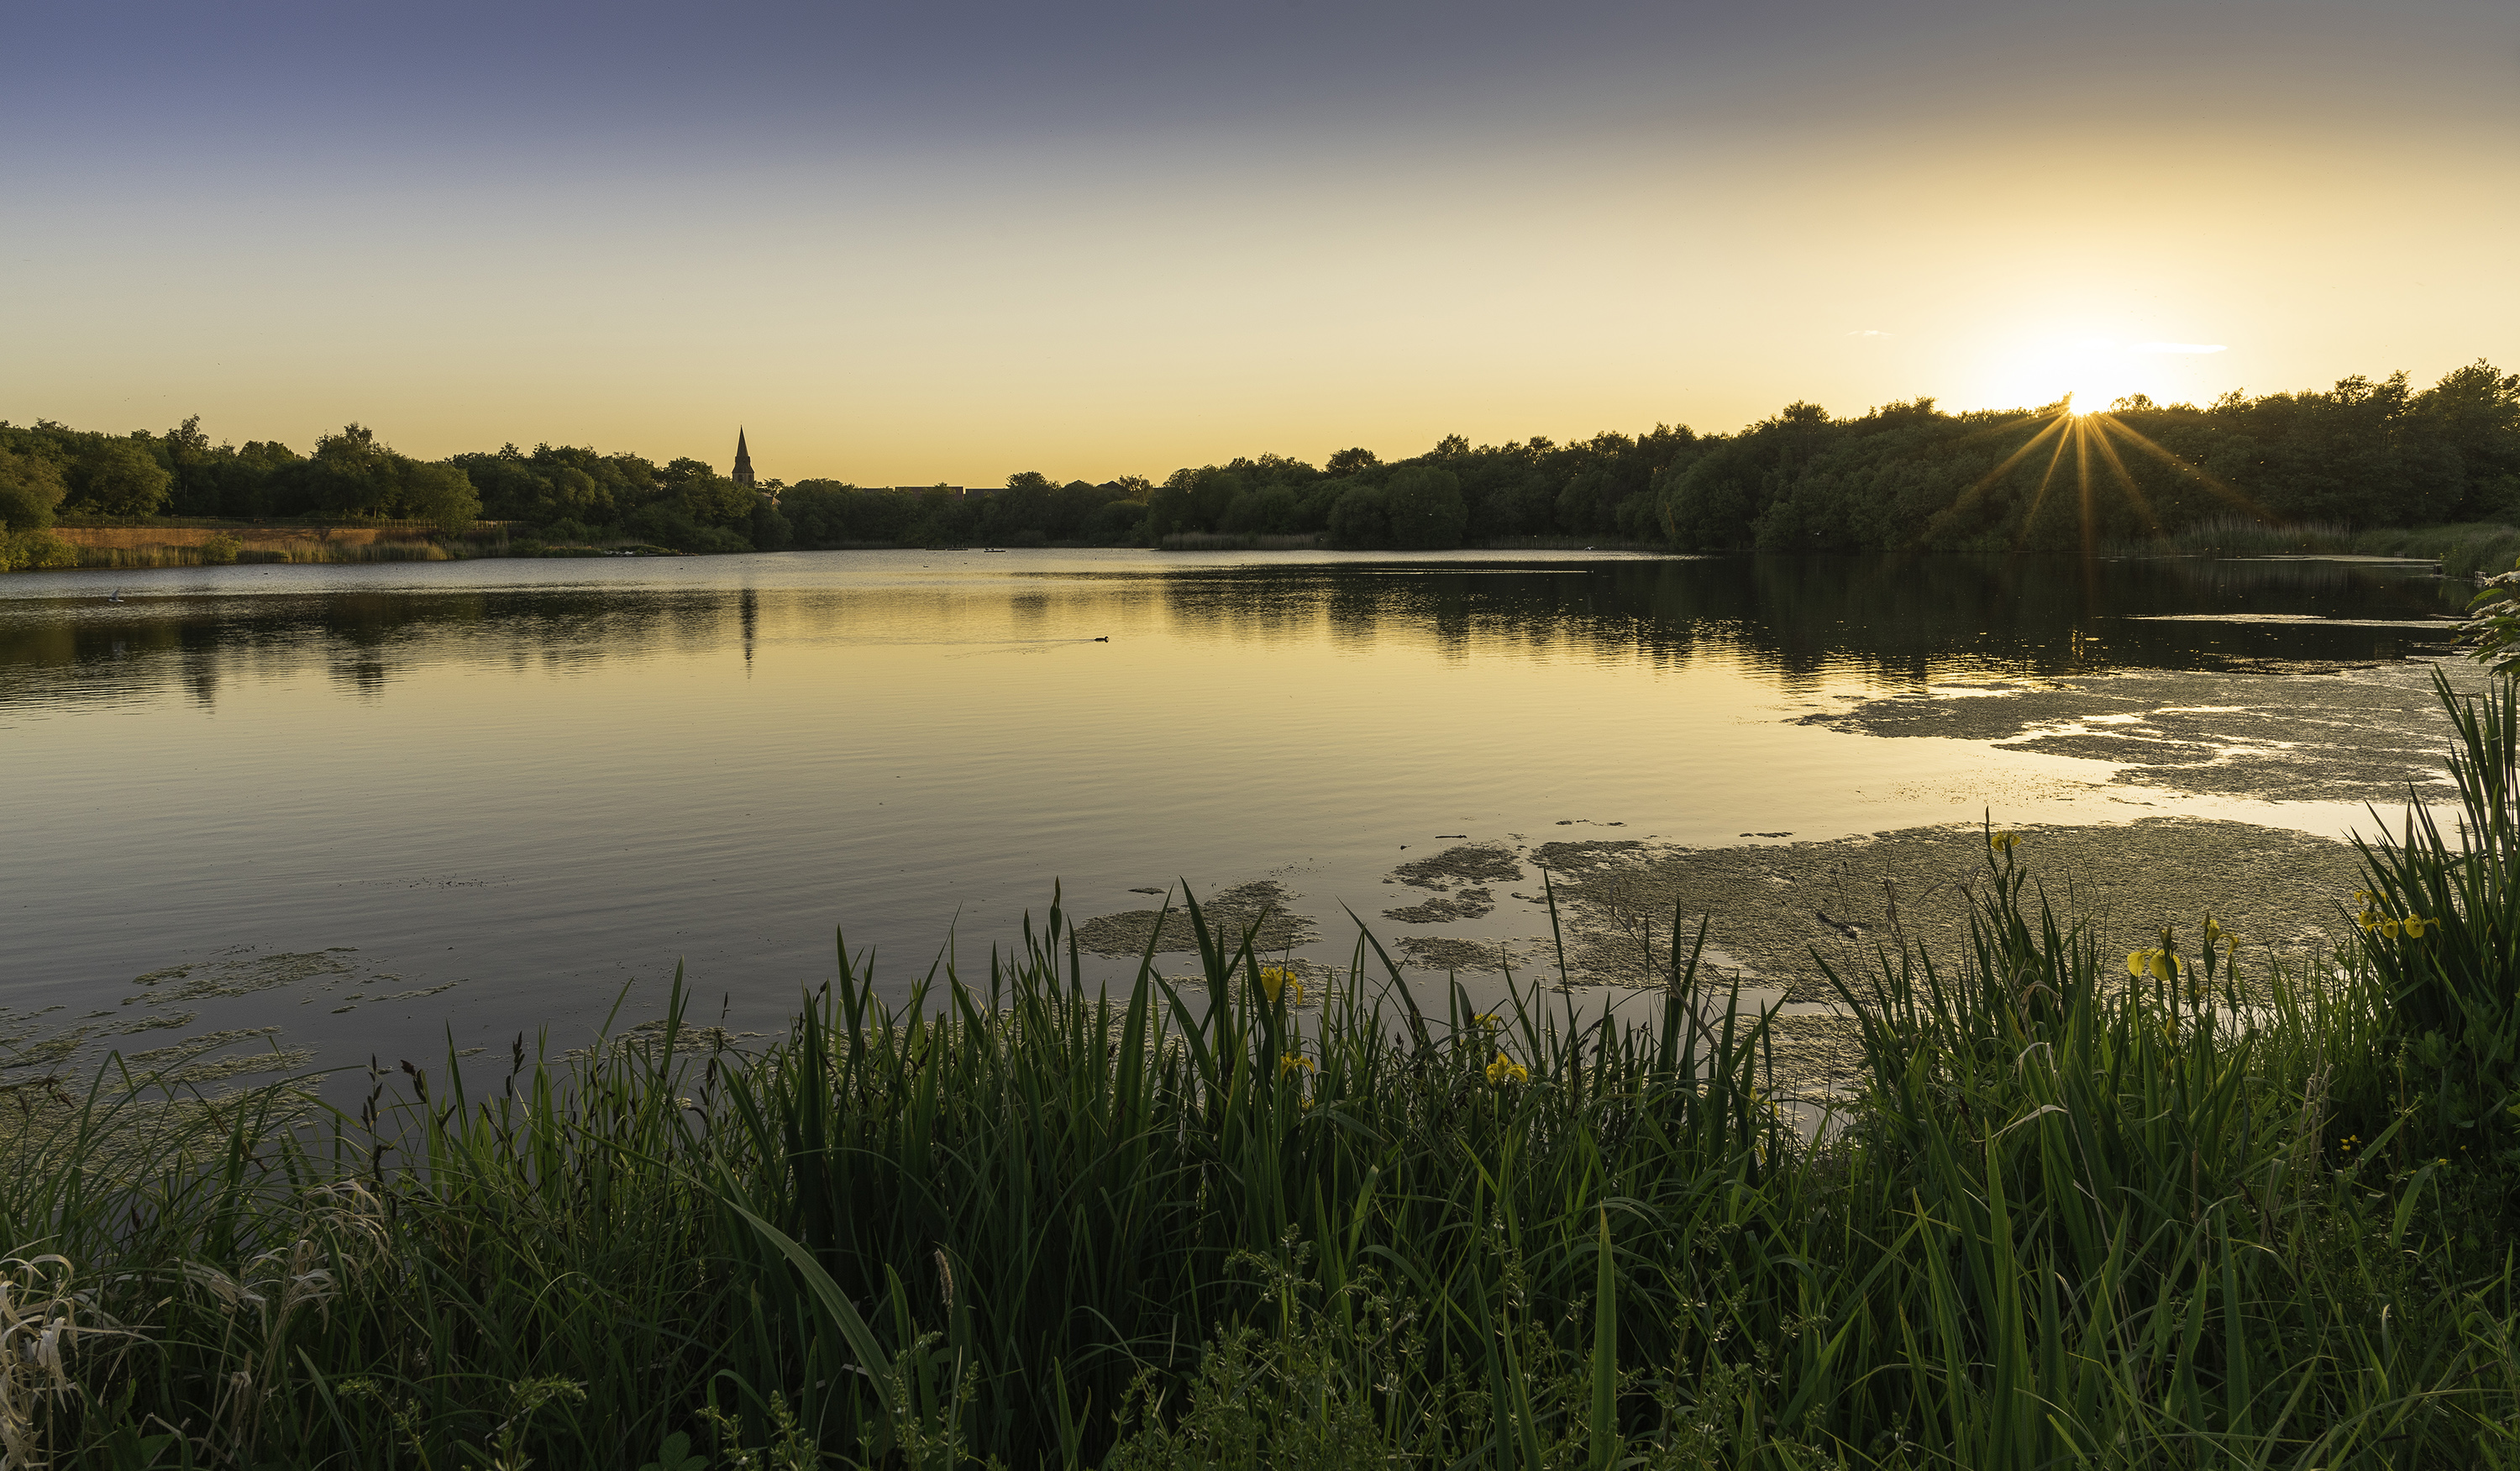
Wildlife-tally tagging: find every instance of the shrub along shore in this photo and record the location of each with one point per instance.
(2178, 1208)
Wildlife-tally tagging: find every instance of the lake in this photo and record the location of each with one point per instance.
(327, 811)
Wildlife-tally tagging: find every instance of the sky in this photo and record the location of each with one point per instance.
(950, 242)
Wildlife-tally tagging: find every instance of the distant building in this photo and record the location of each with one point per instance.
(742, 460)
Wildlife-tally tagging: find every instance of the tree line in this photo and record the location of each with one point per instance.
(1907, 475)
(1902, 476)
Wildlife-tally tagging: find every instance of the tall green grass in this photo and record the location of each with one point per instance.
(2211, 1214)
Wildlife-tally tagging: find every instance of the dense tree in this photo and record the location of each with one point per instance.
(1019, 513)
(222, 480)
(1194, 499)
(560, 483)
(30, 488)
(1424, 509)
(1072, 507)
(1271, 511)
(1361, 519)
(771, 530)
(1904, 476)
(189, 457)
(696, 509)
(118, 477)
(833, 513)
(1118, 523)
(2364, 453)
(353, 474)
(438, 494)
(2475, 410)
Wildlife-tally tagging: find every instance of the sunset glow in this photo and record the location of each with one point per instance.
(901, 251)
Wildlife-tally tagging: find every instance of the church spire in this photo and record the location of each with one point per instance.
(742, 460)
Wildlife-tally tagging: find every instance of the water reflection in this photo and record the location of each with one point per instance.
(1795, 617)
(1799, 616)
(536, 783)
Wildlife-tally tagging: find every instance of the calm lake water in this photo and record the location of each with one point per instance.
(473, 798)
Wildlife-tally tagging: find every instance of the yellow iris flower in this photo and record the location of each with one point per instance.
(1275, 979)
(1506, 1070)
(2392, 926)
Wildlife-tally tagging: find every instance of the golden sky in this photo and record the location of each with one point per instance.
(1120, 239)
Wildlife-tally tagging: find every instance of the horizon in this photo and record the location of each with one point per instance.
(2062, 409)
(923, 248)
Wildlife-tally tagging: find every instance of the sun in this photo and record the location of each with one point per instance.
(2091, 372)
(2087, 372)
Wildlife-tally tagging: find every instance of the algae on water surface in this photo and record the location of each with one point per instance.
(1262, 903)
(1768, 908)
(1445, 952)
(1445, 908)
(1479, 864)
(2339, 733)
(33, 1053)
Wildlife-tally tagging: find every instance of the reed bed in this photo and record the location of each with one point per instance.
(214, 555)
(2244, 536)
(2464, 549)
(1242, 541)
(2174, 1209)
